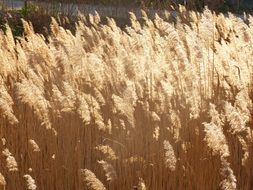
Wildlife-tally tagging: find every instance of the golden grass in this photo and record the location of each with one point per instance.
(153, 106)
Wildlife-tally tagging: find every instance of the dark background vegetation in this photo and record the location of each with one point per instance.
(231, 5)
(41, 19)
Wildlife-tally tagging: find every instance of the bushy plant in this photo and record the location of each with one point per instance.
(29, 9)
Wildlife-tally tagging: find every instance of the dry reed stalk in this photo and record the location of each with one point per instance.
(141, 185)
(34, 146)
(30, 94)
(31, 185)
(107, 151)
(2, 180)
(90, 180)
(110, 172)
(11, 163)
(170, 158)
(6, 104)
(217, 142)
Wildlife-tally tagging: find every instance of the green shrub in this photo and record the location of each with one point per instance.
(28, 9)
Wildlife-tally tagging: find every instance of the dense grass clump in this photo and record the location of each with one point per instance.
(155, 105)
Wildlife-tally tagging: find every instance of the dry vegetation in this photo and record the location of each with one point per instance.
(154, 106)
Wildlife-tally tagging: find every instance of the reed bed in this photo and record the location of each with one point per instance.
(156, 105)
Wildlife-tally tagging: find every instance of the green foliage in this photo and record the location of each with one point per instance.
(29, 9)
(17, 29)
